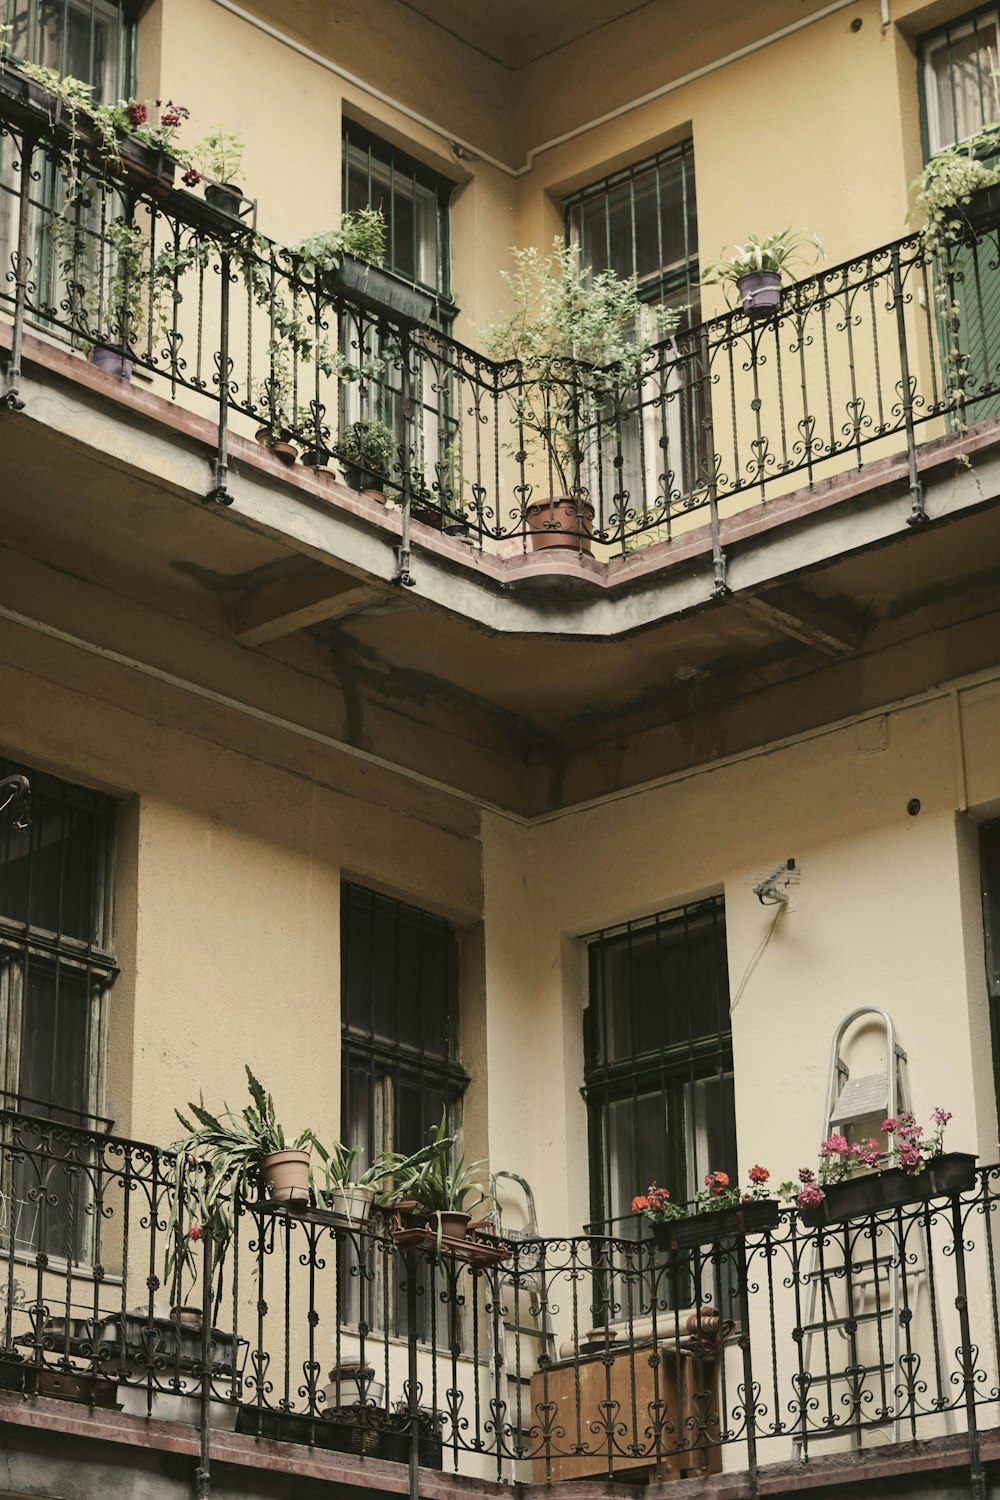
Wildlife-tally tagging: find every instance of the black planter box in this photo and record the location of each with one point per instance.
(700, 1229)
(950, 1173)
(982, 208)
(148, 163)
(368, 1432)
(380, 292)
(147, 1339)
(12, 1372)
(26, 103)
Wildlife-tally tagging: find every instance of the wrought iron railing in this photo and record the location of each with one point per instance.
(733, 410)
(538, 1359)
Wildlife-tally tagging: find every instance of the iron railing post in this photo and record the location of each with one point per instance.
(412, 1382)
(219, 492)
(11, 397)
(749, 1389)
(918, 512)
(967, 1352)
(403, 576)
(203, 1488)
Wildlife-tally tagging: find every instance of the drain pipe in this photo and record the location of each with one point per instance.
(886, 17)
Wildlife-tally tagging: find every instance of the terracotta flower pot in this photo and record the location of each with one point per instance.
(453, 1224)
(286, 1176)
(560, 522)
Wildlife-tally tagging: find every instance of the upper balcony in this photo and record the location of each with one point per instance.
(773, 498)
(295, 1340)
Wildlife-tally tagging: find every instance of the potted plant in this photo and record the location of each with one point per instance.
(755, 269)
(219, 160)
(367, 451)
(856, 1179)
(347, 262)
(440, 1192)
(245, 1148)
(575, 347)
(959, 188)
(140, 143)
(275, 397)
(721, 1210)
(349, 1197)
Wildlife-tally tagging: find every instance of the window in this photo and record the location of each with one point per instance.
(56, 967)
(658, 1059)
(642, 221)
(989, 847)
(413, 200)
(961, 91)
(400, 1031)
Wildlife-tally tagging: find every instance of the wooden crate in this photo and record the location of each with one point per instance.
(630, 1383)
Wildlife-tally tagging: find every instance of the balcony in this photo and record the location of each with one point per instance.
(794, 1351)
(759, 494)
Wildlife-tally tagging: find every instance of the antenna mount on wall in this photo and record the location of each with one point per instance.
(773, 889)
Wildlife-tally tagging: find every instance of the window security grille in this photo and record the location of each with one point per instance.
(56, 968)
(960, 88)
(642, 221)
(658, 1059)
(400, 1028)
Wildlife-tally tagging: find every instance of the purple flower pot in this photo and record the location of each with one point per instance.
(760, 293)
(113, 360)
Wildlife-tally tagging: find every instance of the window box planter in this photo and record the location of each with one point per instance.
(145, 163)
(953, 1171)
(943, 1176)
(132, 1343)
(700, 1229)
(983, 207)
(12, 1372)
(380, 292)
(83, 1387)
(25, 102)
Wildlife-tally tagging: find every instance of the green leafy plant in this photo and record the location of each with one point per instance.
(368, 444)
(947, 184)
(578, 341)
(361, 233)
(219, 156)
(779, 252)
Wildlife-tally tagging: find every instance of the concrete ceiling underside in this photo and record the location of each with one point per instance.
(530, 722)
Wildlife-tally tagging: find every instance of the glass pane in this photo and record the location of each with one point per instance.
(83, 38)
(55, 1038)
(962, 91)
(410, 208)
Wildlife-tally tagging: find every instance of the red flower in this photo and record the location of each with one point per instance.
(191, 177)
(758, 1174)
(639, 1203)
(195, 1232)
(137, 114)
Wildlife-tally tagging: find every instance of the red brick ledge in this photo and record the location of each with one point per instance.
(565, 564)
(926, 1456)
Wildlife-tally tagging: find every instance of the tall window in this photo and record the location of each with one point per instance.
(961, 91)
(989, 846)
(642, 221)
(89, 39)
(413, 200)
(56, 968)
(960, 94)
(400, 1028)
(658, 1059)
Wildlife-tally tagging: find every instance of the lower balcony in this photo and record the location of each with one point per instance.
(312, 1345)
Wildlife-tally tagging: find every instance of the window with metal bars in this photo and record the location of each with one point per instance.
(56, 968)
(658, 1056)
(413, 199)
(93, 40)
(399, 1029)
(961, 92)
(642, 221)
(415, 202)
(989, 852)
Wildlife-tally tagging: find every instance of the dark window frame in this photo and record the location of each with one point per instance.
(613, 1077)
(925, 43)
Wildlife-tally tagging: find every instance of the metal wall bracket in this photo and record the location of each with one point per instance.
(404, 578)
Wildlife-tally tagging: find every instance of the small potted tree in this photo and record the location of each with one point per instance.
(576, 352)
(754, 270)
(218, 160)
